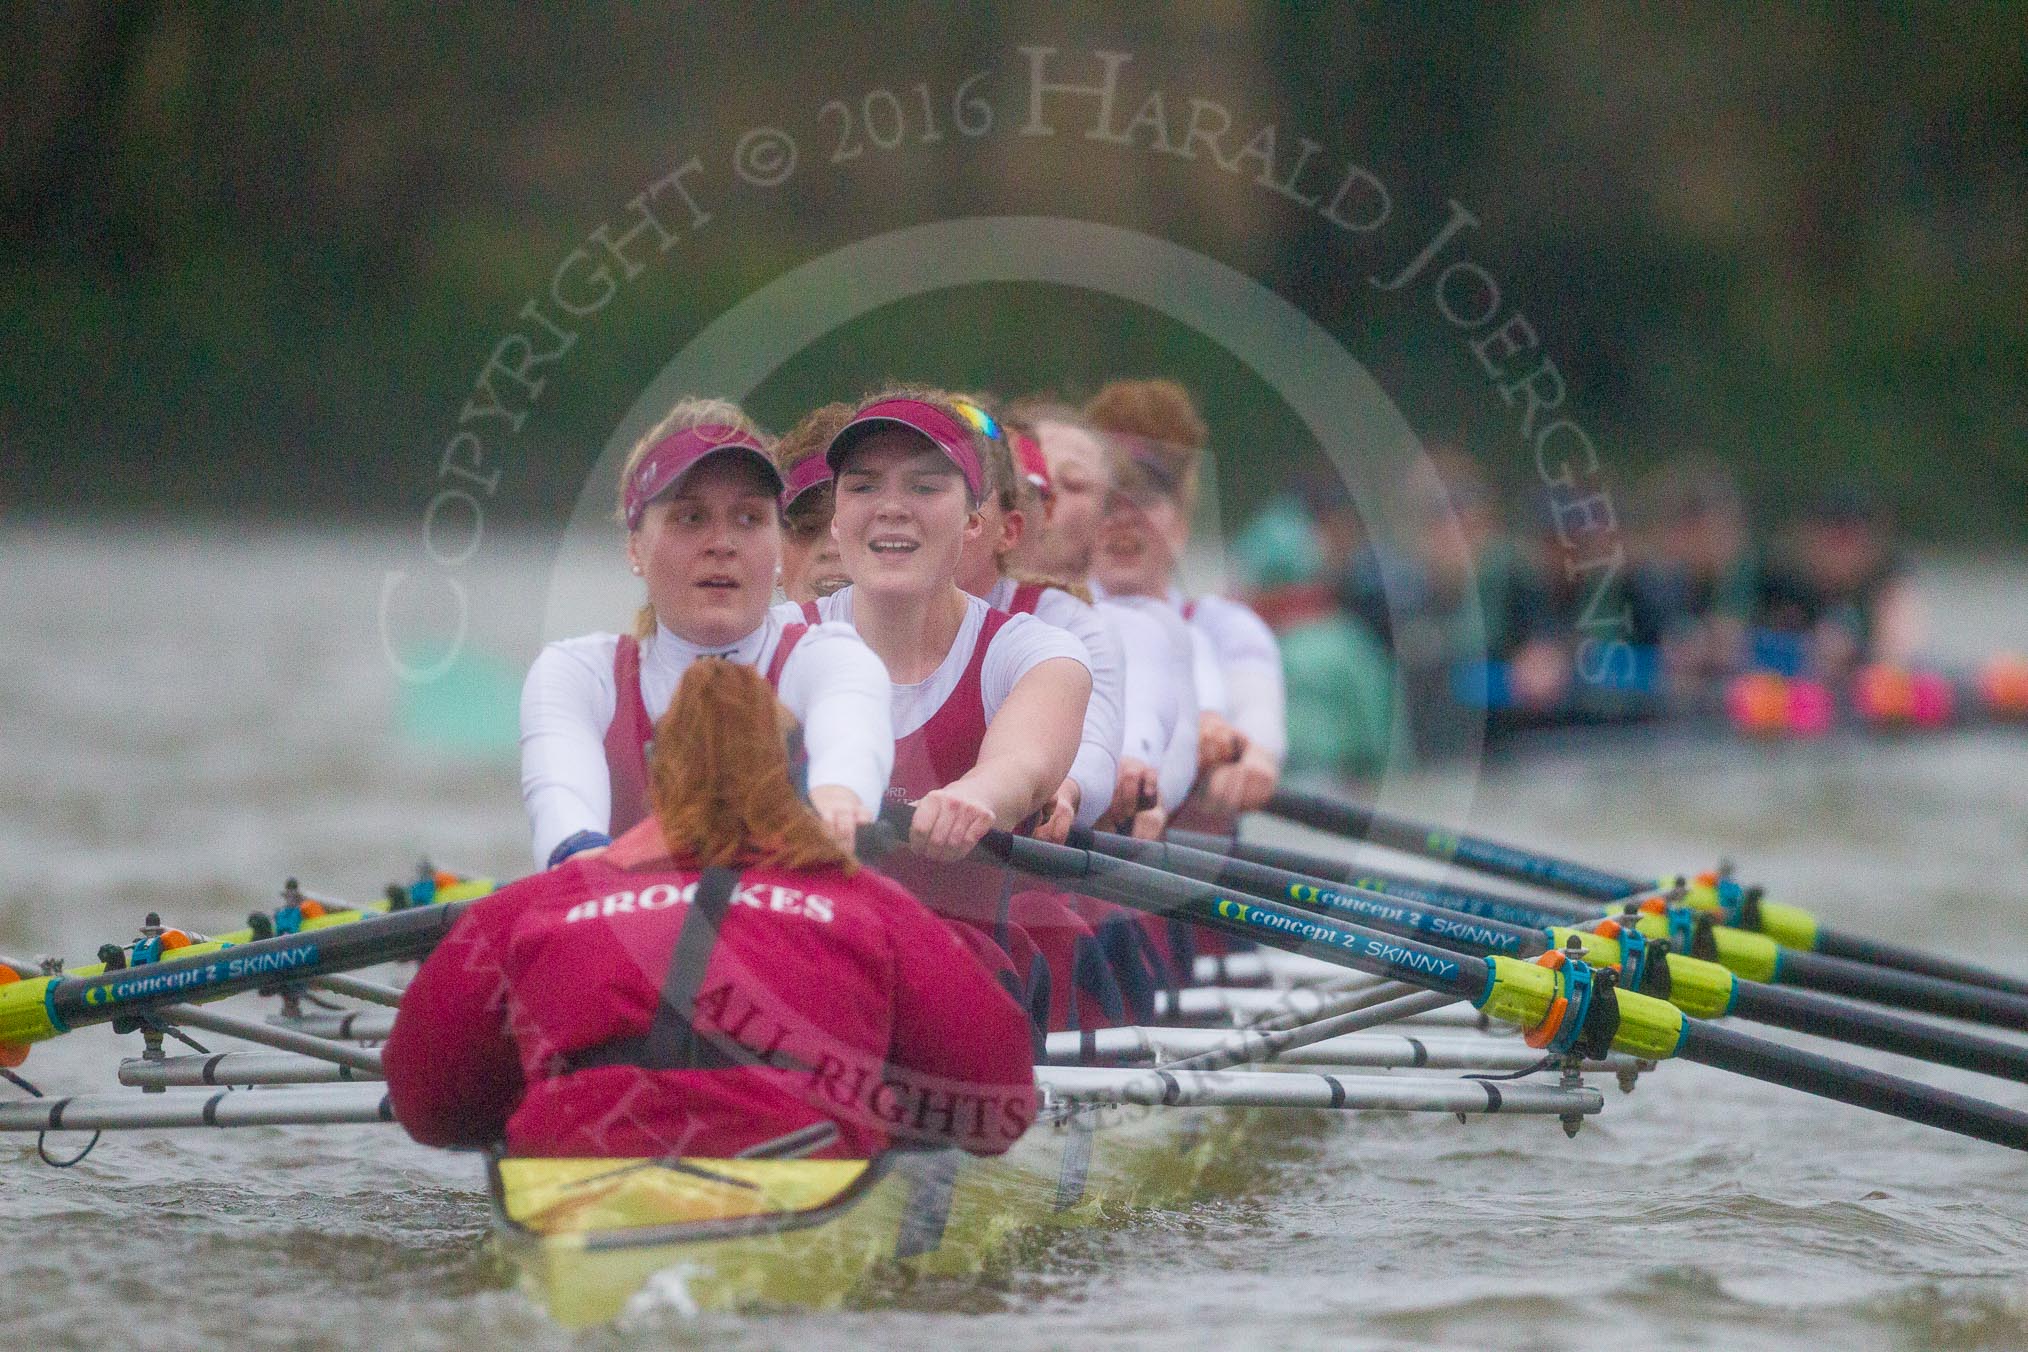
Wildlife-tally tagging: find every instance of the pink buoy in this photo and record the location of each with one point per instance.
(1932, 699)
(1812, 710)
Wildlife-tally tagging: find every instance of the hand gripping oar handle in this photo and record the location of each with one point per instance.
(1149, 889)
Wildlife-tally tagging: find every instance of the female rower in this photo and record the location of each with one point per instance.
(723, 977)
(1063, 496)
(1137, 955)
(1014, 495)
(1147, 532)
(700, 500)
(811, 564)
(1158, 754)
(988, 707)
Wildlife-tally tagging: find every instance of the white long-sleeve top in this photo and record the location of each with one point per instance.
(832, 682)
(1161, 691)
(1238, 667)
(1205, 670)
(1096, 771)
(1021, 644)
(1256, 700)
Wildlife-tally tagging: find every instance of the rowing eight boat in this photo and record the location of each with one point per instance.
(1129, 1117)
(591, 1235)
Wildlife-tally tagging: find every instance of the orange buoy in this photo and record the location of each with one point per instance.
(1757, 703)
(2003, 685)
(1884, 694)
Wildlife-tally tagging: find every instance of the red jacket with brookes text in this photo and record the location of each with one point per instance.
(825, 998)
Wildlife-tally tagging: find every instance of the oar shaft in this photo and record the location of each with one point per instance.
(1904, 990)
(1330, 814)
(1487, 856)
(1838, 944)
(1805, 1011)
(1147, 889)
(1433, 922)
(1857, 1085)
(1808, 1012)
(1489, 905)
(43, 1007)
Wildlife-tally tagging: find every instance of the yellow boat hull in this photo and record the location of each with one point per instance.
(592, 1236)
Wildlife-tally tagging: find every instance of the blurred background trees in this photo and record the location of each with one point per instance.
(252, 256)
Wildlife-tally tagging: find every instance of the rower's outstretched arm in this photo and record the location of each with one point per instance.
(837, 688)
(566, 704)
(1096, 768)
(1178, 766)
(1249, 660)
(1033, 739)
(1026, 753)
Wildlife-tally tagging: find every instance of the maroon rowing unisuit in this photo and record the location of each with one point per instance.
(814, 998)
(633, 727)
(980, 897)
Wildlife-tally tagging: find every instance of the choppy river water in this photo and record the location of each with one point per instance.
(186, 717)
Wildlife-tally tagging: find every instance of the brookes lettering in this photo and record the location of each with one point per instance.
(772, 898)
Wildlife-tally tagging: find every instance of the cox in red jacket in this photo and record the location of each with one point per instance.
(818, 998)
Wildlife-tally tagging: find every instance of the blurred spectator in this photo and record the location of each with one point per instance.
(1295, 552)
(1426, 605)
(1691, 592)
(1838, 592)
